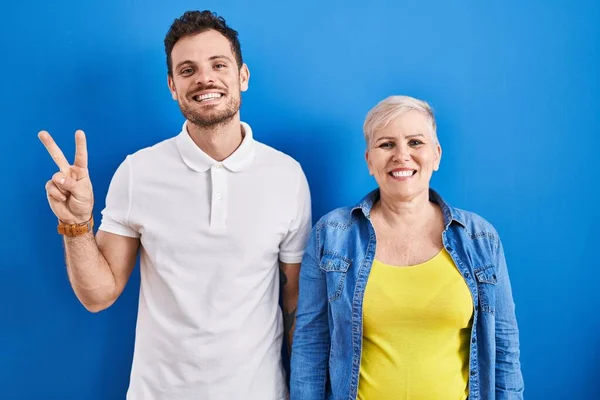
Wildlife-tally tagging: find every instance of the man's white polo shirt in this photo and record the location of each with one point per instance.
(209, 326)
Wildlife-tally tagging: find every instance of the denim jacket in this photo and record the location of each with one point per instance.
(327, 344)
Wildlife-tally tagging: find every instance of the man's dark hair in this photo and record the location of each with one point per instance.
(194, 22)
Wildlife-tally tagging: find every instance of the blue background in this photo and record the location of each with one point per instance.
(516, 87)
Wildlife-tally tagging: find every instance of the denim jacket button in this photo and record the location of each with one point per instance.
(467, 275)
(473, 340)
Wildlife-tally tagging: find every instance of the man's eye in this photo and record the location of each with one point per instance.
(187, 71)
(220, 66)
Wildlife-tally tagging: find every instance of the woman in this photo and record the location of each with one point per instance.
(404, 296)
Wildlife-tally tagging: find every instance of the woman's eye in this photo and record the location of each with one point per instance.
(414, 142)
(386, 145)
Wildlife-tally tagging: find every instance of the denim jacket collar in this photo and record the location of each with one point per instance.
(450, 214)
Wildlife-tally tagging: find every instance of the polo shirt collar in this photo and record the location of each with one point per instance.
(199, 161)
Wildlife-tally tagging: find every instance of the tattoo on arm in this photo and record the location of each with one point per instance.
(289, 316)
(288, 320)
(282, 277)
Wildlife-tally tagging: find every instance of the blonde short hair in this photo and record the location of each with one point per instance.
(390, 108)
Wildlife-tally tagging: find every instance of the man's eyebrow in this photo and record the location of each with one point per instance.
(220, 56)
(182, 63)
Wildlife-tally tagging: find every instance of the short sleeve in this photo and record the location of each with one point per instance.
(293, 245)
(115, 215)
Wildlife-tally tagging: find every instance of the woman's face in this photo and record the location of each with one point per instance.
(403, 155)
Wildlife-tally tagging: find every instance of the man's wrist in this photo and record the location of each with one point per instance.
(76, 229)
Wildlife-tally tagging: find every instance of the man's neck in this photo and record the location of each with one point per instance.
(220, 141)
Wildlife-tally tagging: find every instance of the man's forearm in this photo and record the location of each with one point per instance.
(289, 317)
(289, 276)
(89, 273)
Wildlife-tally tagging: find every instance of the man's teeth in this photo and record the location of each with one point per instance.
(402, 174)
(207, 96)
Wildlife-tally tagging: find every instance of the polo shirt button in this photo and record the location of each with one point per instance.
(218, 196)
(218, 165)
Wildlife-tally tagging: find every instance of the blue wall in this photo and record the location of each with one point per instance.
(516, 87)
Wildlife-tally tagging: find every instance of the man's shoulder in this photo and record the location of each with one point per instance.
(151, 160)
(164, 148)
(272, 157)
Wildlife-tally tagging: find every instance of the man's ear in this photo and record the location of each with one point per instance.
(172, 89)
(244, 77)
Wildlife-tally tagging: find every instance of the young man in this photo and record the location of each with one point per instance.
(212, 213)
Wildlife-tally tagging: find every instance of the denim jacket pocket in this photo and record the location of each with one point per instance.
(335, 268)
(486, 287)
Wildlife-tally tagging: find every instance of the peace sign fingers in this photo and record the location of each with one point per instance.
(55, 151)
(81, 155)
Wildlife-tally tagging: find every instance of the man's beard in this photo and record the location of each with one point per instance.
(212, 118)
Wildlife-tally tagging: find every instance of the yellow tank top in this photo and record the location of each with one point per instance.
(416, 332)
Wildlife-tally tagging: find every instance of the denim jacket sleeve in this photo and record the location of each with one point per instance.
(310, 349)
(509, 379)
